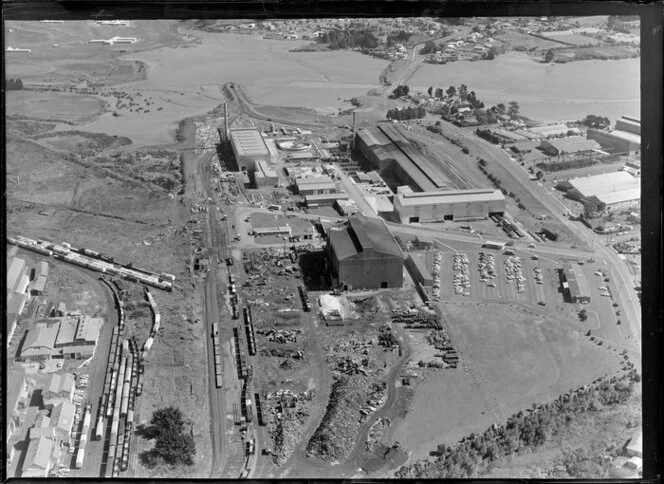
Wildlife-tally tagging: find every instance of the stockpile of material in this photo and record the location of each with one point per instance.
(338, 432)
(417, 318)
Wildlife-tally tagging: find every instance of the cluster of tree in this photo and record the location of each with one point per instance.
(453, 20)
(348, 39)
(512, 109)
(490, 54)
(400, 91)
(13, 84)
(429, 47)
(525, 431)
(400, 37)
(593, 207)
(409, 112)
(487, 135)
(566, 164)
(549, 56)
(173, 446)
(593, 121)
(583, 315)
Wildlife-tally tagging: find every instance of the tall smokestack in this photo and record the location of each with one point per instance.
(352, 141)
(225, 121)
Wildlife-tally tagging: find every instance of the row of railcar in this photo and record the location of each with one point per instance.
(245, 402)
(251, 337)
(240, 358)
(216, 347)
(259, 410)
(95, 261)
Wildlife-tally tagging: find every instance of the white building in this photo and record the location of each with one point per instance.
(413, 207)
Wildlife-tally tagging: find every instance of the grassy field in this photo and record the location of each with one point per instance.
(510, 360)
(518, 41)
(70, 108)
(573, 39)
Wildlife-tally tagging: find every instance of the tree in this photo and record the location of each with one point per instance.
(430, 91)
(491, 53)
(176, 448)
(400, 91)
(549, 56)
(500, 108)
(429, 47)
(513, 109)
(439, 93)
(451, 91)
(463, 92)
(166, 420)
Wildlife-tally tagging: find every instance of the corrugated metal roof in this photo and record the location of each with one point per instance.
(364, 237)
(450, 196)
(606, 183)
(621, 196)
(573, 144)
(624, 135)
(62, 416)
(419, 261)
(248, 142)
(38, 454)
(317, 186)
(326, 196)
(387, 142)
(41, 336)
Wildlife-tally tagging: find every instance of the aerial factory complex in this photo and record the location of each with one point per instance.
(342, 269)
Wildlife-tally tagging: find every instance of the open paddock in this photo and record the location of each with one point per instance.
(510, 359)
(573, 39)
(518, 41)
(71, 108)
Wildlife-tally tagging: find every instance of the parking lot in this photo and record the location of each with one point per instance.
(491, 274)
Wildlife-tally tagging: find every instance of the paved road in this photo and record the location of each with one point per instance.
(625, 295)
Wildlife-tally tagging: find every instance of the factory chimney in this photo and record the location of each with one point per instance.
(225, 121)
(352, 141)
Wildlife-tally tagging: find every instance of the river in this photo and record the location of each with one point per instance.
(544, 91)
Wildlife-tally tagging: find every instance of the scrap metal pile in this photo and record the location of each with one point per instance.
(289, 412)
(338, 432)
(416, 318)
(280, 335)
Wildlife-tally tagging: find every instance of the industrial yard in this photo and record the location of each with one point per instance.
(306, 288)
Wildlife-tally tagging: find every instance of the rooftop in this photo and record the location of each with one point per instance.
(14, 272)
(62, 416)
(620, 196)
(265, 169)
(60, 383)
(363, 238)
(450, 196)
(576, 280)
(38, 454)
(309, 180)
(624, 135)
(606, 183)
(41, 336)
(574, 144)
(388, 142)
(248, 142)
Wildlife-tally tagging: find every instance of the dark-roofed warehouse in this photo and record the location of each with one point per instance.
(397, 160)
(362, 254)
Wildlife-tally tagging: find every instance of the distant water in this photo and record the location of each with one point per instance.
(544, 92)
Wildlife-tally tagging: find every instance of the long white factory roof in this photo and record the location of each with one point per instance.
(248, 142)
(606, 183)
(621, 196)
(450, 196)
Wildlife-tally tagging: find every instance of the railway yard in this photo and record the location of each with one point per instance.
(242, 297)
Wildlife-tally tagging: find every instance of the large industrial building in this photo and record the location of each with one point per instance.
(315, 185)
(413, 207)
(575, 284)
(625, 138)
(398, 161)
(249, 148)
(362, 254)
(572, 146)
(69, 337)
(264, 175)
(617, 189)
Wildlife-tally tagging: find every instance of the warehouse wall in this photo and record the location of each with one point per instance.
(370, 273)
(457, 211)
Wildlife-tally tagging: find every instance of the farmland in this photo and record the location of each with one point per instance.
(512, 358)
(70, 108)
